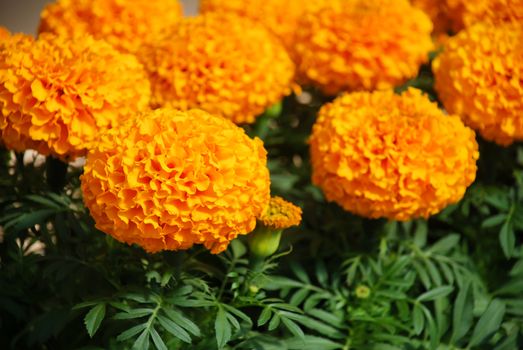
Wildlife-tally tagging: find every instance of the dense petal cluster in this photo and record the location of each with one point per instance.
(224, 64)
(395, 156)
(4, 34)
(280, 214)
(464, 13)
(57, 94)
(362, 45)
(126, 24)
(438, 13)
(170, 179)
(280, 17)
(480, 77)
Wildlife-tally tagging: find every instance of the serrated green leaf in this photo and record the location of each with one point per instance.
(433, 272)
(493, 221)
(462, 312)
(420, 235)
(444, 245)
(488, 323)
(311, 343)
(275, 322)
(94, 318)
(28, 220)
(293, 327)
(175, 329)
(300, 273)
(507, 239)
(142, 342)
(418, 320)
(131, 332)
(133, 313)
(183, 321)
(422, 274)
(439, 292)
(157, 340)
(222, 328)
(265, 316)
(299, 296)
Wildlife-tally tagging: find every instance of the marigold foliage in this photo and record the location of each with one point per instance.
(281, 214)
(280, 17)
(170, 179)
(57, 94)
(224, 64)
(362, 45)
(126, 24)
(480, 77)
(385, 155)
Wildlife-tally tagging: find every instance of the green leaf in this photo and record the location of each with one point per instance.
(439, 292)
(94, 318)
(238, 248)
(433, 272)
(184, 322)
(131, 332)
(44, 201)
(28, 220)
(493, 221)
(265, 315)
(420, 235)
(275, 322)
(444, 245)
(299, 296)
(311, 343)
(488, 323)
(134, 313)
(174, 329)
(157, 340)
(422, 274)
(300, 273)
(142, 342)
(418, 320)
(222, 328)
(293, 327)
(462, 313)
(507, 239)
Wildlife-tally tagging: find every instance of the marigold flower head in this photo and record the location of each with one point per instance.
(4, 33)
(362, 44)
(464, 13)
(57, 94)
(126, 24)
(170, 179)
(280, 17)
(224, 64)
(479, 76)
(280, 214)
(438, 13)
(394, 156)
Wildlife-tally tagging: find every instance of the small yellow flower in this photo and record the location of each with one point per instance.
(394, 156)
(362, 44)
(125, 24)
(280, 214)
(223, 64)
(57, 94)
(363, 292)
(169, 179)
(479, 76)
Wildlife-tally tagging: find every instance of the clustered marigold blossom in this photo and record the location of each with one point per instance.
(437, 11)
(479, 76)
(362, 44)
(224, 64)
(170, 179)
(394, 156)
(465, 13)
(57, 94)
(280, 17)
(280, 214)
(4, 33)
(126, 24)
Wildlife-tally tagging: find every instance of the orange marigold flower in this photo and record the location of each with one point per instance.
(224, 64)
(169, 179)
(394, 156)
(362, 44)
(464, 13)
(479, 76)
(280, 17)
(57, 94)
(4, 33)
(438, 13)
(280, 214)
(126, 24)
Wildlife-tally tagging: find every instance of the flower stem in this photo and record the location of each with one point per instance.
(56, 172)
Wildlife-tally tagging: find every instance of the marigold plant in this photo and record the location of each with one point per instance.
(57, 94)
(169, 179)
(385, 155)
(465, 13)
(480, 77)
(220, 63)
(126, 24)
(280, 17)
(280, 214)
(362, 45)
